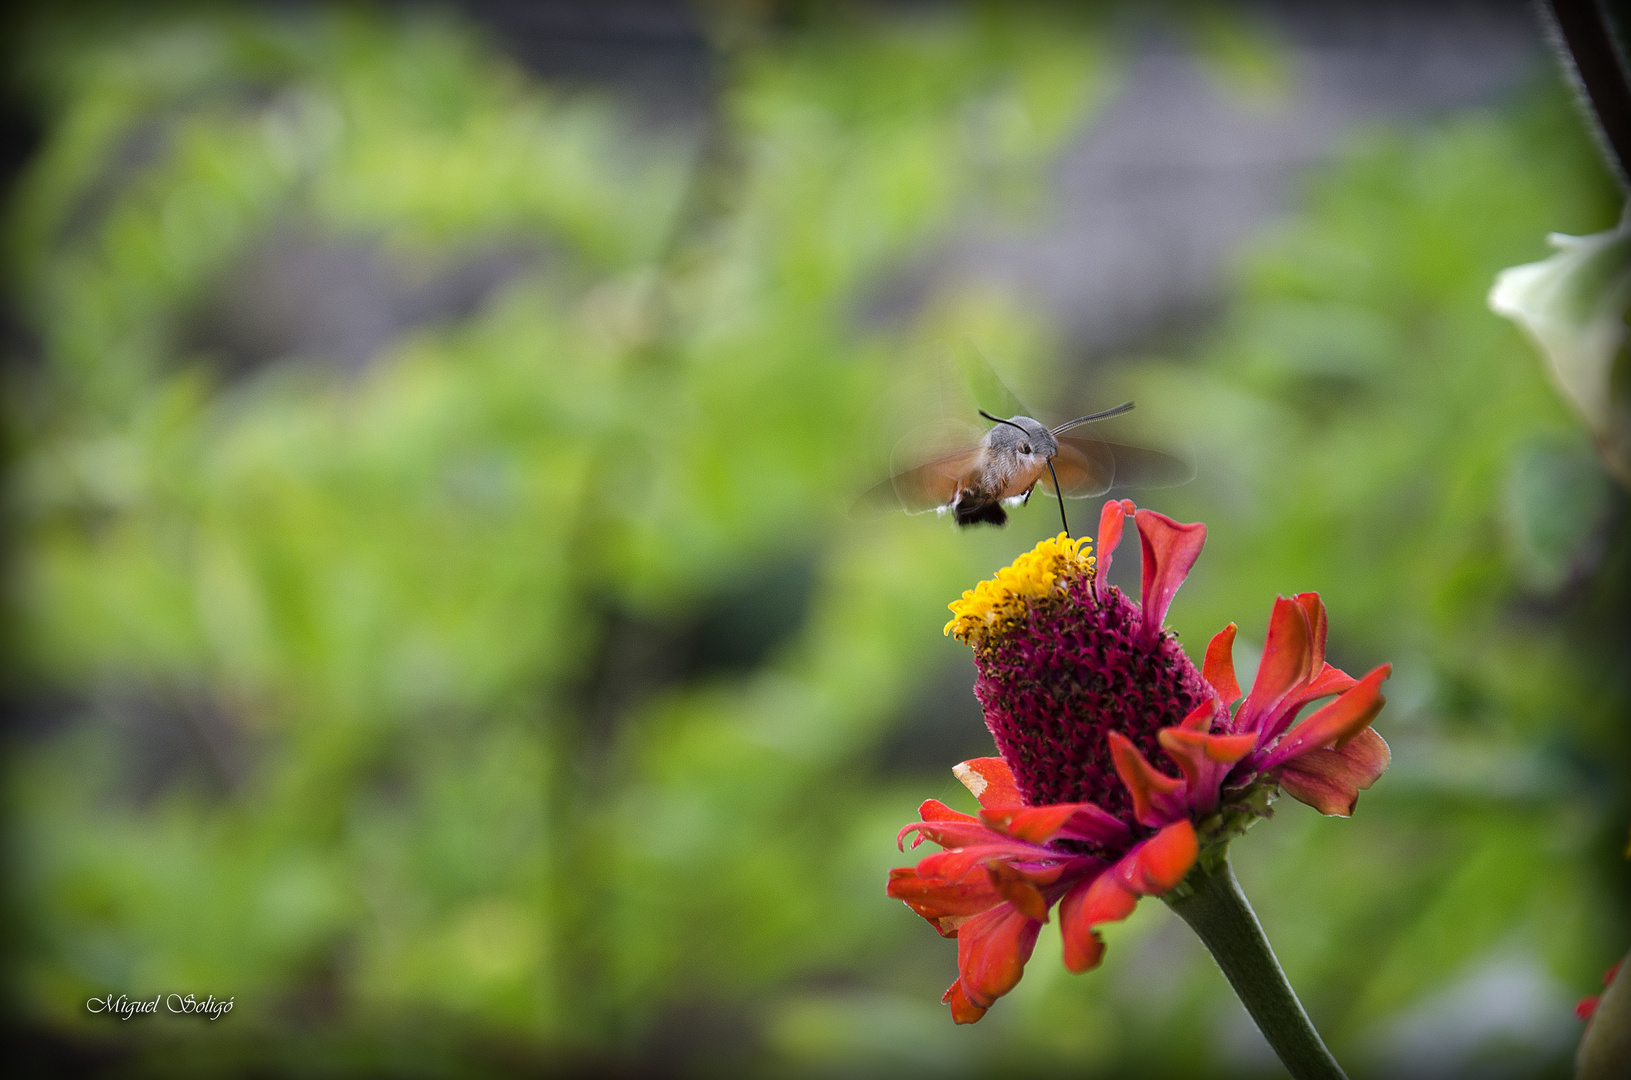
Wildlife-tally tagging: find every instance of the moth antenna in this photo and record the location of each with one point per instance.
(1000, 420)
(1125, 406)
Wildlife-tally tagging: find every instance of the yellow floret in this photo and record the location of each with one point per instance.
(988, 607)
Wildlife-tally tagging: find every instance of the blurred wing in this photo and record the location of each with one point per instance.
(1085, 468)
(923, 488)
(1132, 466)
(925, 468)
(989, 391)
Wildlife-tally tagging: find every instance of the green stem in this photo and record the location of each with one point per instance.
(1221, 916)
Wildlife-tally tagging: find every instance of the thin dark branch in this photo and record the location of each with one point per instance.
(1585, 34)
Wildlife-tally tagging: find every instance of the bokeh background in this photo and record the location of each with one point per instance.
(434, 615)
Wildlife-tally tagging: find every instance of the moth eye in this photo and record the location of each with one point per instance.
(1026, 449)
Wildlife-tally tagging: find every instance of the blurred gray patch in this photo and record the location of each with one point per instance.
(303, 294)
(1508, 1018)
(1159, 190)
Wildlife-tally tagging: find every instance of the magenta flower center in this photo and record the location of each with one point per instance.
(1077, 667)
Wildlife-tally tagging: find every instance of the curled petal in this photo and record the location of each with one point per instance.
(1329, 681)
(935, 810)
(954, 864)
(1200, 717)
(1154, 793)
(1330, 780)
(1314, 608)
(1149, 869)
(1019, 890)
(971, 895)
(1032, 824)
(1287, 663)
(962, 834)
(1294, 672)
(937, 900)
(956, 832)
(1112, 516)
(1191, 748)
(992, 949)
(963, 1011)
(1204, 760)
(959, 863)
(1097, 826)
(932, 810)
(1090, 903)
(1170, 549)
(1084, 948)
(1219, 670)
(1335, 724)
(1160, 862)
(990, 780)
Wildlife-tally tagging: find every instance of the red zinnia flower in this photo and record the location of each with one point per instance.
(1080, 688)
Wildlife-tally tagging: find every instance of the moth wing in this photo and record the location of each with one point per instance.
(926, 468)
(1085, 468)
(1131, 466)
(926, 487)
(990, 392)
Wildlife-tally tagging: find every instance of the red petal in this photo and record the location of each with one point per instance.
(1096, 825)
(959, 834)
(1150, 869)
(1330, 780)
(936, 899)
(949, 897)
(990, 780)
(1335, 724)
(1100, 900)
(1200, 717)
(1170, 549)
(1314, 608)
(963, 1011)
(1032, 824)
(1112, 516)
(1587, 1008)
(935, 810)
(1152, 790)
(1204, 760)
(958, 863)
(1219, 670)
(1329, 681)
(1018, 890)
(1287, 663)
(1194, 746)
(1084, 948)
(1160, 862)
(991, 952)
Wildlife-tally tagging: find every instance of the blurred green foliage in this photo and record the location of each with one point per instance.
(524, 696)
